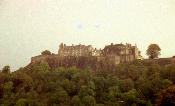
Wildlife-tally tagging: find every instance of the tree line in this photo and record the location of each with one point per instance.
(132, 84)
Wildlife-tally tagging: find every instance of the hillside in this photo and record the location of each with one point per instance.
(137, 83)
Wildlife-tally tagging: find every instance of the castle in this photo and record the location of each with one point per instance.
(122, 53)
(83, 56)
(78, 50)
(119, 53)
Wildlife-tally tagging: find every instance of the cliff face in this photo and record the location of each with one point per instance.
(99, 63)
(96, 63)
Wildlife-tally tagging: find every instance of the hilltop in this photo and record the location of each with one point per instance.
(108, 78)
(82, 56)
(136, 83)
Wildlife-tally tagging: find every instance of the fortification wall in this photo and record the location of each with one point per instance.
(107, 58)
(160, 61)
(96, 63)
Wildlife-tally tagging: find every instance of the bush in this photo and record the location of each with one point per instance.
(46, 52)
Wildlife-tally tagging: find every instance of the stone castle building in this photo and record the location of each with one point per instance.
(119, 53)
(122, 53)
(77, 50)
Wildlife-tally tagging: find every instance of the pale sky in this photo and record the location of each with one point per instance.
(28, 27)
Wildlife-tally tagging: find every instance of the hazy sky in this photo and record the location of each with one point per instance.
(28, 27)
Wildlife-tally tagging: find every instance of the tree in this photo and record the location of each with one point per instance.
(166, 97)
(7, 88)
(126, 85)
(131, 96)
(76, 101)
(89, 101)
(6, 69)
(60, 97)
(21, 102)
(85, 91)
(40, 67)
(153, 51)
(46, 52)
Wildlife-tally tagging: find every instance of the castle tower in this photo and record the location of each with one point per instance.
(61, 48)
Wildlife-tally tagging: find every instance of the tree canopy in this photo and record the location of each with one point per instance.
(6, 69)
(127, 85)
(46, 52)
(153, 51)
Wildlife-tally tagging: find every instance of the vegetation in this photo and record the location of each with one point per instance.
(46, 52)
(166, 97)
(6, 69)
(126, 85)
(153, 51)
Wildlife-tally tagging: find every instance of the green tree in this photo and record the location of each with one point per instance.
(60, 97)
(6, 69)
(41, 67)
(153, 51)
(113, 95)
(46, 52)
(21, 102)
(149, 103)
(86, 91)
(7, 89)
(89, 101)
(126, 85)
(76, 101)
(69, 86)
(131, 96)
(21, 81)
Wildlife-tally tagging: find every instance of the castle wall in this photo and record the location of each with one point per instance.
(97, 63)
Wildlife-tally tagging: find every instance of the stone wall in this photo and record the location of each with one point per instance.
(95, 62)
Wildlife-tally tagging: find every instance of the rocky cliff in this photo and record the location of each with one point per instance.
(96, 63)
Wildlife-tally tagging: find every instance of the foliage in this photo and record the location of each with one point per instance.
(153, 51)
(6, 69)
(127, 85)
(46, 52)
